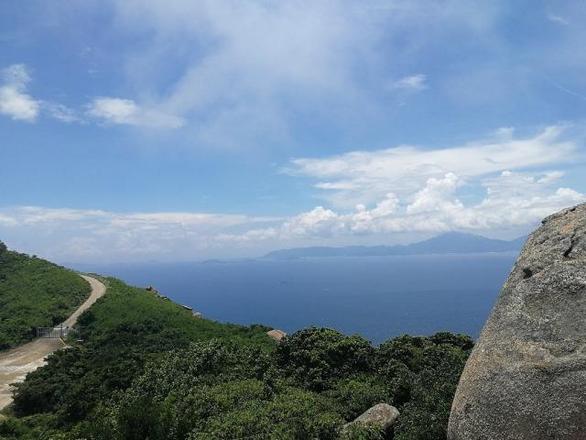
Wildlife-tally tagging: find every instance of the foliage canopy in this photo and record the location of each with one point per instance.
(148, 369)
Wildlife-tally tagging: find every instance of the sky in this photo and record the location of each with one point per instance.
(176, 130)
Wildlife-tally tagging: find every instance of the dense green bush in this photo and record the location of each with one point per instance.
(122, 331)
(425, 415)
(359, 392)
(34, 293)
(309, 387)
(315, 357)
(215, 390)
(148, 370)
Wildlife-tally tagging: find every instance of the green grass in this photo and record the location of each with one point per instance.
(34, 293)
(125, 306)
(119, 334)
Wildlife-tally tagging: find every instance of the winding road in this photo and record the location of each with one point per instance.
(16, 363)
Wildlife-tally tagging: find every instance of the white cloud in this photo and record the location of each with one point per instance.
(410, 83)
(366, 176)
(37, 215)
(438, 194)
(319, 221)
(14, 101)
(6, 220)
(116, 110)
(412, 189)
(48, 216)
(246, 70)
(246, 63)
(557, 19)
(499, 184)
(512, 200)
(126, 111)
(19, 105)
(61, 112)
(399, 190)
(78, 234)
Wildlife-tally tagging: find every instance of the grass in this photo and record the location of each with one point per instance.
(125, 306)
(118, 336)
(34, 293)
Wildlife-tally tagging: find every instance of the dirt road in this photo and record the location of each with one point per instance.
(16, 363)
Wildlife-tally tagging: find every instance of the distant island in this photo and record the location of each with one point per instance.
(448, 243)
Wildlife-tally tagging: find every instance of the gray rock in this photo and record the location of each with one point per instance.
(526, 377)
(382, 415)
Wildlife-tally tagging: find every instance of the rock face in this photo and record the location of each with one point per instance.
(526, 377)
(382, 415)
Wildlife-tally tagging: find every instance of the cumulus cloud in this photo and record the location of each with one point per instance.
(127, 112)
(14, 100)
(437, 194)
(512, 200)
(16, 103)
(415, 189)
(365, 176)
(504, 183)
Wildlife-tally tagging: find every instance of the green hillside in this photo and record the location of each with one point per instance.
(34, 293)
(145, 368)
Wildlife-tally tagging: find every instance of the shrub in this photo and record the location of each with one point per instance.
(34, 293)
(315, 357)
(148, 369)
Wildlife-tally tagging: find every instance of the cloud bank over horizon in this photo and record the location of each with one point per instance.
(380, 194)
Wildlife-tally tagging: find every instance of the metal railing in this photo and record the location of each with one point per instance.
(60, 331)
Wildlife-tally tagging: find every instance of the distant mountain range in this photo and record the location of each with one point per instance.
(449, 243)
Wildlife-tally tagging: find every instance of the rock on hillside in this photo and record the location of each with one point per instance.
(526, 378)
(382, 416)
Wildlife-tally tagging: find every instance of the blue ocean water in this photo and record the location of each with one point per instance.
(377, 297)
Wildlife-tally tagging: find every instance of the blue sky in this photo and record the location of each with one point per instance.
(182, 130)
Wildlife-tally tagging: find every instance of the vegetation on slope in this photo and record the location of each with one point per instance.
(34, 293)
(148, 369)
(124, 329)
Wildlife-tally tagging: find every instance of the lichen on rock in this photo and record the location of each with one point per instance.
(526, 378)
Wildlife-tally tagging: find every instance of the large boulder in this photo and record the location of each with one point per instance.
(526, 377)
(382, 415)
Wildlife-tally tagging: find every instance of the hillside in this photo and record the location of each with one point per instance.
(144, 367)
(34, 293)
(449, 243)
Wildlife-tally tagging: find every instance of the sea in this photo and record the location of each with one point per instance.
(376, 297)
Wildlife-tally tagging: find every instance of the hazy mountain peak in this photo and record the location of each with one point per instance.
(446, 243)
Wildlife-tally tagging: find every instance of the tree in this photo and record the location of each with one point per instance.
(315, 357)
